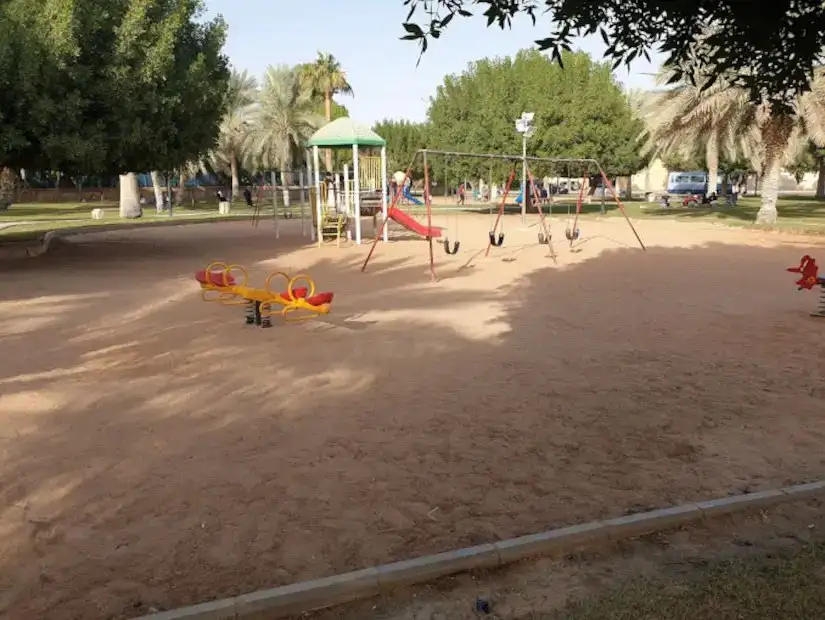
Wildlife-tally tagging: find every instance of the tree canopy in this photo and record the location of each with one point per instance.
(403, 138)
(580, 112)
(109, 86)
(767, 48)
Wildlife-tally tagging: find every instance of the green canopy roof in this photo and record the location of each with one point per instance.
(345, 132)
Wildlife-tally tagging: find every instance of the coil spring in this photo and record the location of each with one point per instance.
(250, 312)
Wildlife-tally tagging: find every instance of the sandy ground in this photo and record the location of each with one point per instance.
(157, 452)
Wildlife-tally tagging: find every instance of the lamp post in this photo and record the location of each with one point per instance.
(525, 127)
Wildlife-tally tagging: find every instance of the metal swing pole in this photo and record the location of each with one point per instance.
(390, 209)
(428, 206)
(542, 220)
(609, 186)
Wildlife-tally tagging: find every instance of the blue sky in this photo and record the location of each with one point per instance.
(381, 68)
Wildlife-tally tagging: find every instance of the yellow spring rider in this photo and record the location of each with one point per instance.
(220, 284)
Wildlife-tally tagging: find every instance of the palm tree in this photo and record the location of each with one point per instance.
(687, 117)
(283, 121)
(228, 155)
(324, 78)
(684, 119)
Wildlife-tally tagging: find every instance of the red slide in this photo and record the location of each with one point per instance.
(412, 224)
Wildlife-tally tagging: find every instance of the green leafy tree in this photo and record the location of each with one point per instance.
(325, 77)
(403, 138)
(580, 112)
(767, 48)
(110, 86)
(805, 161)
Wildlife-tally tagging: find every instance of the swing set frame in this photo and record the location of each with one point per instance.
(496, 237)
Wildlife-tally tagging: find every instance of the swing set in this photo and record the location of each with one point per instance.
(496, 235)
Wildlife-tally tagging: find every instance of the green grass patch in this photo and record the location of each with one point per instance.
(49, 211)
(34, 227)
(799, 214)
(790, 586)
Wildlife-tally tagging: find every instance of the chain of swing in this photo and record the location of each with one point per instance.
(497, 241)
(456, 245)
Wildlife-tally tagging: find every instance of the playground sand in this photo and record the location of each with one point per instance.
(157, 452)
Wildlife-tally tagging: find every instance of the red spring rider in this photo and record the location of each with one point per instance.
(809, 271)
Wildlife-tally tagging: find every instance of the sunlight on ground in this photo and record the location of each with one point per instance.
(477, 321)
(39, 313)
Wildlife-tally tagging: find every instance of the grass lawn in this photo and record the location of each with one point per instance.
(796, 213)
(23, 222)
(789, 586)
(802, 214)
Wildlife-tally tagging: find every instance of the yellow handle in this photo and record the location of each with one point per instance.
(269, 281)
(299, 278)
(228, 273)
(214, 268)
(297, 319)
(266, 306)
(215, 294)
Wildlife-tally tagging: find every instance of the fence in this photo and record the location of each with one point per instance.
(203, 193)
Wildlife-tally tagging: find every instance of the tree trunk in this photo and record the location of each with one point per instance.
(820, 180)
(712, 160)
(286, 181)
(158, 188)
(236, 183)
(181, 187)
(775, 134)
(129, 196)
(328, 115)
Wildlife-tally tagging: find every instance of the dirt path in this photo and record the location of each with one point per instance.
(156, 452)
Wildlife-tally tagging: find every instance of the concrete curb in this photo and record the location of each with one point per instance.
(319, 593)
(42, 244)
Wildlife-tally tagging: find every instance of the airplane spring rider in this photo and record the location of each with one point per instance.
(219, 284)
(809, 272)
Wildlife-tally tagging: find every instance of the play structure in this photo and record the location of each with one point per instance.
(332, 219)
(218, 283)
(809, 277)
(496, 235)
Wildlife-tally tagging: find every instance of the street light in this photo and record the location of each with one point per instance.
(524, 126)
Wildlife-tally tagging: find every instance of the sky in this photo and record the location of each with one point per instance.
(381, 68)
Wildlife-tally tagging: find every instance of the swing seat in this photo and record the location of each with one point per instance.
(496, 242)
(572, 235)
(451, 249)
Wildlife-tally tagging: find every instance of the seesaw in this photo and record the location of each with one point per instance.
(220, 284)
(809, 278)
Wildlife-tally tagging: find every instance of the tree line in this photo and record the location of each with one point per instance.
(582, 112)
(113, 87)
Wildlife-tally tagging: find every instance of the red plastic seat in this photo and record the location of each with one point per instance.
(216, 278)
(320, 299)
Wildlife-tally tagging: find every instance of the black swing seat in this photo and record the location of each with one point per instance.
(451, 248)
(545, 238)
(572, 234)
(496, 242)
